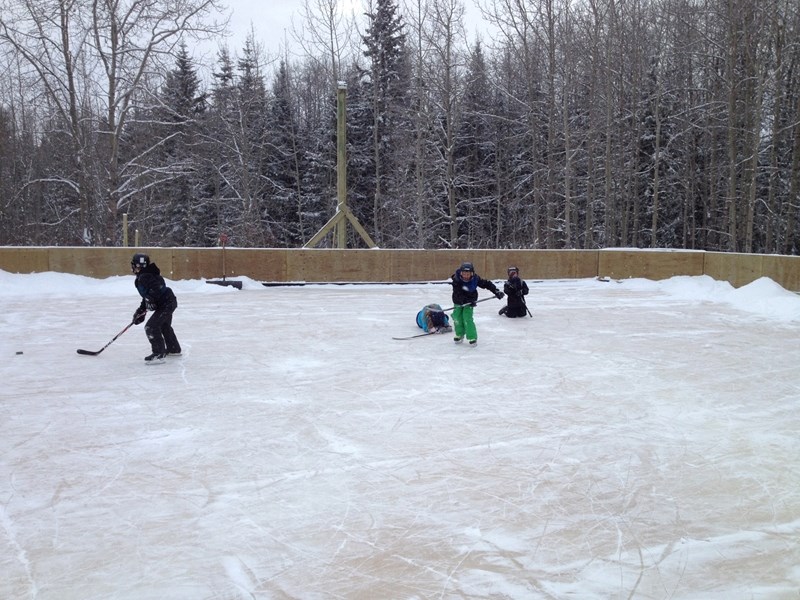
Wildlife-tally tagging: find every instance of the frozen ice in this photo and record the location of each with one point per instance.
(634, 439)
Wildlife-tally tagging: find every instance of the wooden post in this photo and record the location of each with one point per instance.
(338, 223)
(125, 230)
(341, 161)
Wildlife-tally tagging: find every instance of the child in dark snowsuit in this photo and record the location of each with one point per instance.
(516, 290)
(465, 282)
(156, 296)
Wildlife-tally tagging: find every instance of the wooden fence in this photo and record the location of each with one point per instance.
(399, 266)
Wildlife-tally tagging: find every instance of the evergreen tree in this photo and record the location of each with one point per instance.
(285, 164)
(475, 155)
(315, 113)
(183, 105)
(236, 168)
(386, 89)
(251, 139)
(220, 158)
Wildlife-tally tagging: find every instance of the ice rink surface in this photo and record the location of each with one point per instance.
(633, 439)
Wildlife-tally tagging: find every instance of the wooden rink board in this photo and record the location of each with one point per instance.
(656, 265)
(278, 266)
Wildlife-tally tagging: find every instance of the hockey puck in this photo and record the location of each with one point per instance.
(19, 351)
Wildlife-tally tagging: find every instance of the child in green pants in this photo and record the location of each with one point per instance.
(465, 294)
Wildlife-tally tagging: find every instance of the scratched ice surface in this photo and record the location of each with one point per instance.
(633, 439)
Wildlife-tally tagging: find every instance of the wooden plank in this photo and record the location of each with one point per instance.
(738, 269)
(406, 265)
(15, 259)
(649, 264)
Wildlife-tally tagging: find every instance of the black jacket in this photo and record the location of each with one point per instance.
(153, 290)
(516, 290)
(466, 292)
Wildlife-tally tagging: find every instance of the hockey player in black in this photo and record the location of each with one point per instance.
(156, 296)
(516, 290)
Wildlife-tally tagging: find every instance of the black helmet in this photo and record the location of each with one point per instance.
(467, 266)
(139, 261)
(513, 269)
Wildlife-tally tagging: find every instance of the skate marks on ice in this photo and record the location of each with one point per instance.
(626, 441)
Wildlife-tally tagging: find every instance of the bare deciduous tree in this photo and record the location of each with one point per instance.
(92, 58)
(328, 34)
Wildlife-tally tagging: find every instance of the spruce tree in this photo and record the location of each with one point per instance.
(285, 164)
(475, 155)
(386, 90)
(183, 105)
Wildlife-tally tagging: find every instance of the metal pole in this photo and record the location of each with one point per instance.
(125, 230)
(223, 239)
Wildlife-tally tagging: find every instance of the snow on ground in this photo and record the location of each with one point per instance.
(633, 439)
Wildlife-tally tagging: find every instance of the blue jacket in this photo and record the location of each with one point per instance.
(466, 292)
(432, 316)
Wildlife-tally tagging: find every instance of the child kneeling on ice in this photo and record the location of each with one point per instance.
(516, 289)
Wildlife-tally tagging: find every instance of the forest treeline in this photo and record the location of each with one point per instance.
(598, 123)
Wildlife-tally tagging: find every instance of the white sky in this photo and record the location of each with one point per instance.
(632, 439)
(272, 22)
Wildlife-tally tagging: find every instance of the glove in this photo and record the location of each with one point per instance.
(138, 316)
(499, 295)
(520, 293)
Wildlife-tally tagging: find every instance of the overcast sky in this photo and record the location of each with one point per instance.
(273, 24)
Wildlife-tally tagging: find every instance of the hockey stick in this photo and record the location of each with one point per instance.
(525, 304)
(447, 329)
(476, 301)
(93, 353)
(411, 337)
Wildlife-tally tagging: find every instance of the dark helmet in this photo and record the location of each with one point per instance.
(139, 262)
(513, 270)
(467, 266)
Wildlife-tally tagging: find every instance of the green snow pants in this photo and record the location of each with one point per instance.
(463, 322)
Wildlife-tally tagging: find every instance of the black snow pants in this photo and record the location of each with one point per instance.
(514, 311)
(159, 329)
